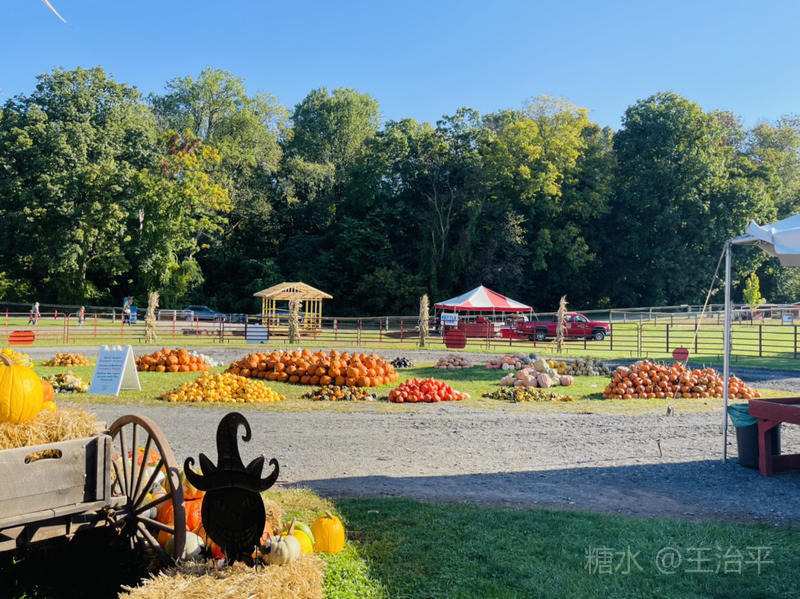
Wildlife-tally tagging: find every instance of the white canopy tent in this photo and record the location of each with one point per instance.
(780, 239)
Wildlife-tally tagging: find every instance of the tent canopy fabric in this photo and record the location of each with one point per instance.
(482, 299)
(780, 239)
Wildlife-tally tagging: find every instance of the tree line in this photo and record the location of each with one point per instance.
(208, 193)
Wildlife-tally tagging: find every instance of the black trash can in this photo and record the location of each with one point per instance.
(747, 435)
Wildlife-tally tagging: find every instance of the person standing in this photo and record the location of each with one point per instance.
(35, 313)
(81, 316)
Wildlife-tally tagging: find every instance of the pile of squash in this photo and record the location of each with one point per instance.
(67, 359)
(531, 378)
(648, 380)
(16, 357)
(524, 394)
(303, 367)
(171, 360)
(223, 388)
(453, 362)
(427, 391)
(337, 393)
(66, 382)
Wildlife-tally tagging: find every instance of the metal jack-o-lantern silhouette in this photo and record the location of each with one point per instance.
(233, 512)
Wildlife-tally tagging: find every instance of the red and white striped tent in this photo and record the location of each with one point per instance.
(482, 299)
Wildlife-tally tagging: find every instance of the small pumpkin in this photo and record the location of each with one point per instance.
(48, 391)
(328, 533)
(191, 550)
(21, 393)
(283, 549)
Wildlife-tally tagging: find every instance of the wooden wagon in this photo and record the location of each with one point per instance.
(60, 489)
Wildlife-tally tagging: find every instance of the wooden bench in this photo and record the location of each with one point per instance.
(770, 413)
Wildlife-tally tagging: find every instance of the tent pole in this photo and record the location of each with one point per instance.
(726, 351)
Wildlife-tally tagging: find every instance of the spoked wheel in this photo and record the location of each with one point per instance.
(141, 457)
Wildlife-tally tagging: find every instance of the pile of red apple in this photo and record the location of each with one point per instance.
(428, 390)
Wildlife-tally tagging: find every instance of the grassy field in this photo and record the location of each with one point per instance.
(412, 550)
(586, 393)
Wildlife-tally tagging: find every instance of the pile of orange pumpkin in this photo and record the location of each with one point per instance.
(171, 360)
(645, 379)
(306, 368)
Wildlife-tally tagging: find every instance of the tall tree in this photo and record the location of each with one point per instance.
(69, 154)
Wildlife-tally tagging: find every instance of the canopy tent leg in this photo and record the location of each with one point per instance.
(726, 351)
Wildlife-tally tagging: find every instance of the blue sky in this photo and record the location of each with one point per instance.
(424, 59)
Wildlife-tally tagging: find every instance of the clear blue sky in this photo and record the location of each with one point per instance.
(423, 59)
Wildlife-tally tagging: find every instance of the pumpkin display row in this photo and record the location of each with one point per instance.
(171, 360)
(650, 380)
(223, 388)
(306, 368)
(428, 391)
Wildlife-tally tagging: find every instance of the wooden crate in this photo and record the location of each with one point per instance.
(52, 489)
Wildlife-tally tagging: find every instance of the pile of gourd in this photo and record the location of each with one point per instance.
(305, 368)
(512, 361)
(402, 362)
(337, 393)
(583, 367)
(67, 359)
(649, 380)
(523, 394)
(453, 362)
(538, 374)
(171, 360)
(66, 382)
(279, 543)
(223, 388)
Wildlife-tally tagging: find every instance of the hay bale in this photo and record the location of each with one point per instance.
(302, 579)
(62, 424)
(274, 514)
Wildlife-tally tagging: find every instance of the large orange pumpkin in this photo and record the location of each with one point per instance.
(21, 393)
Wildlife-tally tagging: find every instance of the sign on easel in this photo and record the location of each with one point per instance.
(115, 370)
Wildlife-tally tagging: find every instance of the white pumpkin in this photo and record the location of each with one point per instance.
(283, 550)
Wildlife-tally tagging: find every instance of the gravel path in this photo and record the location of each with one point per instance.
(604, 463)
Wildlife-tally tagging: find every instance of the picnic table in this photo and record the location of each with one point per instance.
(770, 413)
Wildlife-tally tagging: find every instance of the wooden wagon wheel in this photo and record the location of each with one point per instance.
(133, 436)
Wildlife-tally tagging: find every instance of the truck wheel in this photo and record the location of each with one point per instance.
(599, 335)
(541, 334)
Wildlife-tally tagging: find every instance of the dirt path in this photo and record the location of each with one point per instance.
(641, 465)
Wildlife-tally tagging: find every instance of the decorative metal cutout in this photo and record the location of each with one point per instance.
(233, 512)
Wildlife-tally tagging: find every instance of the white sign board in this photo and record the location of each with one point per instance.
(115, 370)
(788, 318)
(257, 333)
(449, 320)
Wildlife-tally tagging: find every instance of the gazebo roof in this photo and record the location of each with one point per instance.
(289, 291)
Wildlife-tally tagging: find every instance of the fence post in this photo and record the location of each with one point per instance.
(196, 326)
(795, 342)
(759, 340)
(6, 324)
(695, 334)
(174, 314)
(401, 330)
(380, 331)
(611, 335)
(359, 332)
(639, 339)
(66, 328)
(95, 325)
(335, 329)
(666, 326)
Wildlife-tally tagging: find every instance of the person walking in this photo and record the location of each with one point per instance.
(35, 313)
(81, 316)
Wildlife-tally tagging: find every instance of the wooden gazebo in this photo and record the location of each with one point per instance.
(310, 309)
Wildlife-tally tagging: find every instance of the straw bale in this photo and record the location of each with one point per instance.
(302, 579)
(62, 424)
(274, 514)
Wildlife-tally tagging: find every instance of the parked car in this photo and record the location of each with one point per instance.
(577, 326)
(202, 313)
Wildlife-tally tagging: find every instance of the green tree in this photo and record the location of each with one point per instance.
(752, 294)
(69, 154)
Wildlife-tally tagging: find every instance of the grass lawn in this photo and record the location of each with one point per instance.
(586, 392)
(407, 549)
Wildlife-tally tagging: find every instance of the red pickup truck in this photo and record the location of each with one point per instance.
(577, 326)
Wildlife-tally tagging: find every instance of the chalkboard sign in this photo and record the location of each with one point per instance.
(115, 370)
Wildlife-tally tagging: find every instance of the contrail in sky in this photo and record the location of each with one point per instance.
(50, 6)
